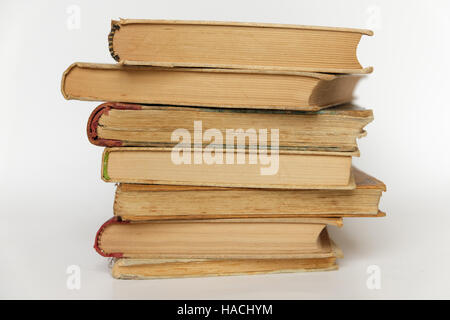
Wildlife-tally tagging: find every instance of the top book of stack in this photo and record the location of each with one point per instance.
(236, 45)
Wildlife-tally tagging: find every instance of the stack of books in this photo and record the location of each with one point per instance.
(231, 145)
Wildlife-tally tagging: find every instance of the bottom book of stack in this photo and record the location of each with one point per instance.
(178, 268)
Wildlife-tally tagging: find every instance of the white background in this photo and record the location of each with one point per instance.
(52, 199)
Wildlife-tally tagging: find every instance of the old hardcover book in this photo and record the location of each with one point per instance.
(142, 269)
(216, 239)
(236, 45)
(225, 168)
(156, 202)
(225, 88)
(333, 129)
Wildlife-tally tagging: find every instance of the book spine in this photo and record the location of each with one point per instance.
(94, 119)
(114, 28)
(113, 220)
